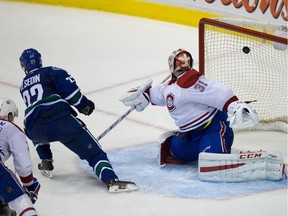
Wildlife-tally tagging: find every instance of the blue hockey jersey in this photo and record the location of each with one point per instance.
(44, 87)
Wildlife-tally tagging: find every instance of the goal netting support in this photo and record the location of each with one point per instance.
(251, 57)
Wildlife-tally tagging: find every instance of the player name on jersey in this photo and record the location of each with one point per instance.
(30, 81)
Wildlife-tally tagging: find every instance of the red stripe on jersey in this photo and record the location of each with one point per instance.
(183, 126)
(26, 210)
(225, 107)
(188, 79)
(27, 180)
(218, 168)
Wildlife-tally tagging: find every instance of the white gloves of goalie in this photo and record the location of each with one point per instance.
(241, 115)
(137, 97)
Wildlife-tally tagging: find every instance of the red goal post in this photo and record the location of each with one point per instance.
(251, 57)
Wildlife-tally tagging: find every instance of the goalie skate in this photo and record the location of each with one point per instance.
(116, 185)
(46, 168)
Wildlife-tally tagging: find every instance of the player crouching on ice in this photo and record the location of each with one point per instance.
(50, 94)
(200, 108)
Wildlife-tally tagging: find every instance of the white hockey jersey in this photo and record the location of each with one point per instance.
(13, 142)
(192, 100)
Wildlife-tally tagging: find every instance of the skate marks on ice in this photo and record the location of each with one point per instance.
(139, 164)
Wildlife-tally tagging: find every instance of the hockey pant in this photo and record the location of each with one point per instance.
(76, 137)
(10, 187)
(217, 137)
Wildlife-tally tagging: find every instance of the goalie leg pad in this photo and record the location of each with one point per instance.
(245, 166)
(165, 156)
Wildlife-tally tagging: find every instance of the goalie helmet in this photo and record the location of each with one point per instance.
(7, 106)
(30, 59)
(180, 60)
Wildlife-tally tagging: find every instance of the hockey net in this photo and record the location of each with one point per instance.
(251, 58)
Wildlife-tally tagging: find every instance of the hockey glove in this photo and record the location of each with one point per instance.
(137, 97)
(241, 115)
(33, 190)
(86, 106)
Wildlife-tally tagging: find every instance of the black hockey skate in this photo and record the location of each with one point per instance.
(46, 167)
(6, 211)
(116, 185)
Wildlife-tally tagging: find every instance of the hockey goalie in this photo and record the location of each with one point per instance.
(206, 112)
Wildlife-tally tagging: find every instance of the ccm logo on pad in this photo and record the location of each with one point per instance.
(250, 155)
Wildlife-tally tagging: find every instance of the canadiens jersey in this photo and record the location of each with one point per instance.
(192, 100)
(13, 142)
(44, 87)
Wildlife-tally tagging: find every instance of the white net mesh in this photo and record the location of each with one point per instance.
(251, 66)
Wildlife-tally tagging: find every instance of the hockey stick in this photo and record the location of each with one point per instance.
(124, 115)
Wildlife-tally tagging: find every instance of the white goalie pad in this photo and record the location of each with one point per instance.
(244, 166)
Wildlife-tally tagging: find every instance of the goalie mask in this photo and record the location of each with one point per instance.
(180, 60)
(30, 59)
(7, 106)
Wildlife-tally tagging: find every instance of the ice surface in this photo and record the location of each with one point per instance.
(108, 54)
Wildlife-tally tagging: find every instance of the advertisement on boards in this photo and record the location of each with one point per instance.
(274, 11)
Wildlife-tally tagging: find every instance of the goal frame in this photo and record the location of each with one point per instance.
(213, 22)
(218, 23)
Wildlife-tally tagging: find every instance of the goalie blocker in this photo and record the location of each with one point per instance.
(243, 166)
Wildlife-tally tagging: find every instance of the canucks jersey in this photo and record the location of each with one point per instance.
(44, 87)
(192, 100)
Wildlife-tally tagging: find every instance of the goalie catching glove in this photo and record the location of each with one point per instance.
(241, 115)
(137, 97)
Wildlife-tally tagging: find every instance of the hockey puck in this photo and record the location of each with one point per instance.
(246, 49)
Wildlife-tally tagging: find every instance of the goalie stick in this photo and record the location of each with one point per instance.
(124, 115)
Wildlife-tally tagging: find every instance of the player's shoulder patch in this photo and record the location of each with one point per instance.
(188, 79)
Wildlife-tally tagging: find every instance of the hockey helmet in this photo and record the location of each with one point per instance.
(7, 106)
(180, 60)
(30, 59)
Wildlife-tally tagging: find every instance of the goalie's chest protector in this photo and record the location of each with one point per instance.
(185, 101)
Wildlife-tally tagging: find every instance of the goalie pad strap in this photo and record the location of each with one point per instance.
(245, 166)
